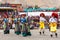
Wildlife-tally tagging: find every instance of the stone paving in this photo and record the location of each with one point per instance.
(35, 35)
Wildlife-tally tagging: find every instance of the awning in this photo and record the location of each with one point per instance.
(7, 8)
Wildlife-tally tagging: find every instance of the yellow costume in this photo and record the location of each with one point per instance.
(53, 26)
(42, 26)
(42, 23)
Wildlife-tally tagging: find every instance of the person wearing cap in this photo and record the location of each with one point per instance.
(42, 23)
(53, 24)
(25, 26)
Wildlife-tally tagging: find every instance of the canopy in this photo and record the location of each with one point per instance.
(7, 8)
(38, 9)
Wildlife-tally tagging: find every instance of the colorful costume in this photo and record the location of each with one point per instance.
(6, 26)
(53, 24)
(42, 23)
(25, 26)
(17, 26)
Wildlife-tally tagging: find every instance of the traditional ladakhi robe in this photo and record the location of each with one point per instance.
(25, 27)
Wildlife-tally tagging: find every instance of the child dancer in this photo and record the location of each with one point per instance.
(42, 23)
(25, 26)
(6, 26)
(17, 26)
(53, 24)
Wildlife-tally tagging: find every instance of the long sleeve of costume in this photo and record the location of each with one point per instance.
(5, 21)
(25, 27)
(22, 27)
(28, 28)
(23, 21)
(4, 26)
(17, 27)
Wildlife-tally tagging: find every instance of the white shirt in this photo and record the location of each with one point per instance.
(52, 19)
(42, 19)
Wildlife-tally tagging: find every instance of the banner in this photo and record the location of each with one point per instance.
(37, 13)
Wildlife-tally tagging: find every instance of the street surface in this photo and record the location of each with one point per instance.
(35, 35)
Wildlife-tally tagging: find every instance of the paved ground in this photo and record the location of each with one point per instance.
(35, 36)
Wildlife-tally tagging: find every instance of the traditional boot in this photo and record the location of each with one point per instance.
(19, 32)
(5, 32)
(29, 33)
(16, 32)
(40, 33)
(51, 35)
(24, 34)
(8, 31)
(43, 32)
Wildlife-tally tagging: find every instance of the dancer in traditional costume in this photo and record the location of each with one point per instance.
(17, 26)
(25, 26)
(6, 26)
(42, 23)
(53, 24)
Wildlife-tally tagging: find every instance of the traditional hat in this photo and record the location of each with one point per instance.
(23, 14)
(42, 14)
(55, 14)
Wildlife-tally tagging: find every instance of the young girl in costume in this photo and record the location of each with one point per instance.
(53, 24)
(42, 23)
(25, 26)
